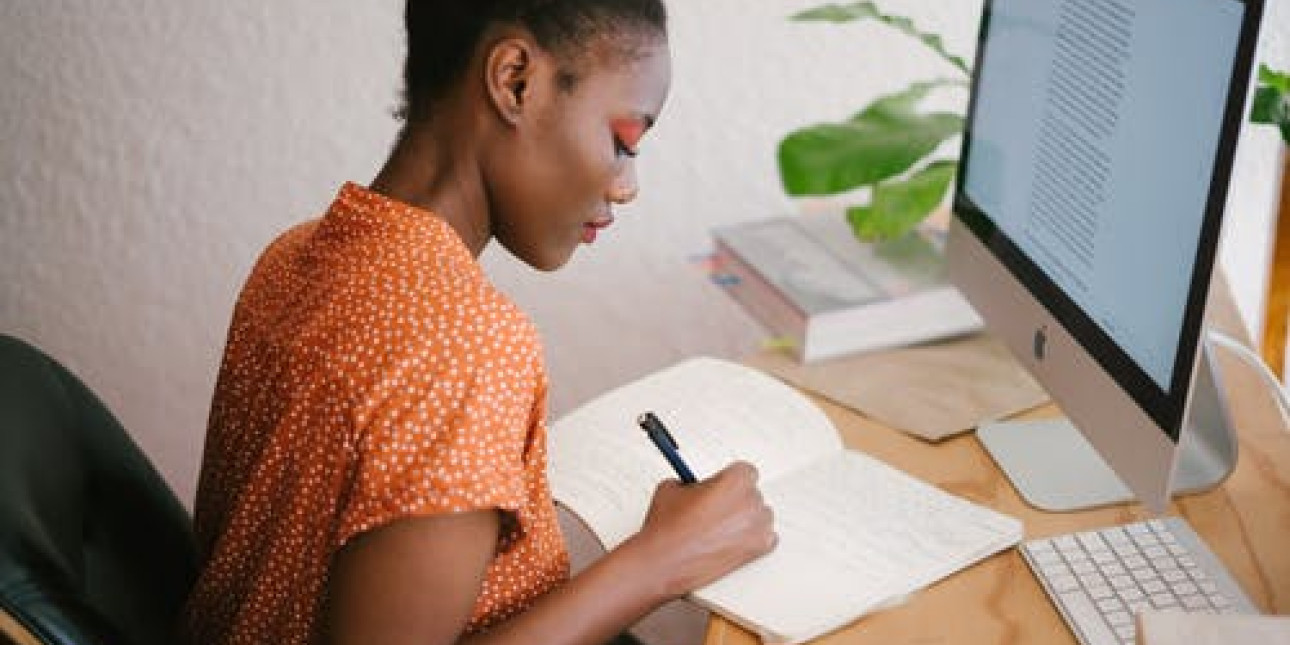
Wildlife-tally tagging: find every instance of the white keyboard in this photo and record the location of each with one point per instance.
(1101, 579)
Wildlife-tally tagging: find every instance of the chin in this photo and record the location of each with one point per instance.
(550, 266)
(545, 260)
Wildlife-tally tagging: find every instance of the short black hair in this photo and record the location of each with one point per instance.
(443, 35)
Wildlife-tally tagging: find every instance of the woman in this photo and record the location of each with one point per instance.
(374, 469)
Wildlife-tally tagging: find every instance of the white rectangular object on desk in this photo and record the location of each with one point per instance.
(809, 281)
(855, 535)
(1180, 628)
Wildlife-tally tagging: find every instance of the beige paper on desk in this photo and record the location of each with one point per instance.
(931, 391)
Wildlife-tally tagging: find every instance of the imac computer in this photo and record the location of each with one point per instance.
(1096, 158)
(1095, 165)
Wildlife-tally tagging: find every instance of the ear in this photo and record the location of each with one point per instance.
(510, 70)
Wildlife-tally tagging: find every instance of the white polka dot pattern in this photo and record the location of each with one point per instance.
(371, 373)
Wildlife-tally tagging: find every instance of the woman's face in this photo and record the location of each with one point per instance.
(576, 158)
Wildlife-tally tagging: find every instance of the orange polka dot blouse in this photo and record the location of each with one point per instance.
(371, 373)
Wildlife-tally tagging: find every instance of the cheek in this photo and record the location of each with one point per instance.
(591, 161)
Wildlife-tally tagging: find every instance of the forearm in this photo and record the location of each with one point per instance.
(593, 607)
(691, 536)
(416, 580)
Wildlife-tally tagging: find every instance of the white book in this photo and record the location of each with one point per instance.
(855, 535)
(809, 281)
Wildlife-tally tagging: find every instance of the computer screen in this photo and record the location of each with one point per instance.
(1094, 171)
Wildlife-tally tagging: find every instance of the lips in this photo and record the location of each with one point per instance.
(592, 228)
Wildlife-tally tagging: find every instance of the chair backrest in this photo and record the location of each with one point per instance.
(94, 546)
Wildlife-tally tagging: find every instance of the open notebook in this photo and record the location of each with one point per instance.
(855, 534)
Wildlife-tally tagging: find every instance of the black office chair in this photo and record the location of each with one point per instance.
(94, 546)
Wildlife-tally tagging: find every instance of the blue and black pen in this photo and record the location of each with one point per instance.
(666, 444)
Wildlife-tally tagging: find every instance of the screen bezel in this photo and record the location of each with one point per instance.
(1165, 406)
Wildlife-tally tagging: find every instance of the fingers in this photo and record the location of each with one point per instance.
(760, 529)
(741, 471)
(762, 537)
(769, 537)
(708, 529)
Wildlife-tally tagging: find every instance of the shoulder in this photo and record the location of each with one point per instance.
(284, 247)
(423, 309)
(479, 327)
(273, 272)
(442, 297)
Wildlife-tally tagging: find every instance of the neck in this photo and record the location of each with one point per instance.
(433, 169)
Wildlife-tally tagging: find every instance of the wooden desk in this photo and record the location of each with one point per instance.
(1246, 521)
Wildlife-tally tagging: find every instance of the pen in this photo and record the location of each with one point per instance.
(666, 444)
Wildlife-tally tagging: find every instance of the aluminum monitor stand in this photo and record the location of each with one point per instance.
(1054, 468)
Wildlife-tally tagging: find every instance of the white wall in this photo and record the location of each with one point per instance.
(152, 147)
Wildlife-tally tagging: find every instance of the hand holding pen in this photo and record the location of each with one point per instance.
(696, 532)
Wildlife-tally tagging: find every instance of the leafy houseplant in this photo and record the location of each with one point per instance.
(1272, 101)
(883, 147)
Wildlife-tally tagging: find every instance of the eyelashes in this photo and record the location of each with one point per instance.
(627, 136)
(623, 150)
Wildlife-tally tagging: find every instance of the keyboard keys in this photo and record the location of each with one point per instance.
(1119, 618)
(1091, 541)
(1102, 579)
(1163, 601)
(1146, 540)
(1086, 616)
(1195, 602)
(1109, 605)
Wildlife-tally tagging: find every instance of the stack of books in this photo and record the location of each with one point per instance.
(824, 294)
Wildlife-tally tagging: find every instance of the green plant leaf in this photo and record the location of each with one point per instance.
(919, 259)
(1278, 80)
(868, 10)
(1272, 101)
(902, 106)
(1270, 106)
(884, 140)
(898, 206)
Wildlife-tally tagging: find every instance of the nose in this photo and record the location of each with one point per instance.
(625, 188)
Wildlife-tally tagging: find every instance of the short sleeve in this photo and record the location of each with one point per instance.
(452, 442)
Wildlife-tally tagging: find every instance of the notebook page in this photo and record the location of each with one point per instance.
(604, 468)
(855, 534)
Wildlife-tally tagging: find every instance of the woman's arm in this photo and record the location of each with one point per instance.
(415, 581)
(411, 581)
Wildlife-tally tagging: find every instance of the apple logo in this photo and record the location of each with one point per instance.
(1040, 346)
